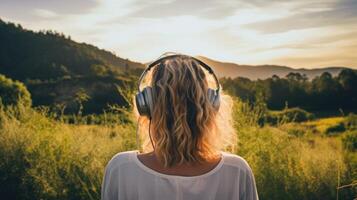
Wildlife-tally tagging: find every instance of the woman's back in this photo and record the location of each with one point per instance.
(126, 177)
(187, 123)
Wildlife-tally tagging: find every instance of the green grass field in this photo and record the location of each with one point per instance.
(41, 158)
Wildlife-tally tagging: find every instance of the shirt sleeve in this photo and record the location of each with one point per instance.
(109, 190)
(249, 191)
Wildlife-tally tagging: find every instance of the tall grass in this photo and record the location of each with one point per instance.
(44, 159)
(291, 167)
(41, 158)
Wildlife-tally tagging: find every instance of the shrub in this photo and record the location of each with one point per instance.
(288, 115)
(12, 92)
(335, 129)
(348, 124)
(99, 119)
(349, 140)
(295, 129)
(351, 121)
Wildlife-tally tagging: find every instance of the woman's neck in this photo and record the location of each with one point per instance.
(152, 161)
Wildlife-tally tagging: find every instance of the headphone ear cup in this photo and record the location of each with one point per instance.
(149, 101)
(214, 98)
(217, 101)
(140, 104)
(210, 94)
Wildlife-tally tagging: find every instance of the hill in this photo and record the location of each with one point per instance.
(57, 69)
(25, 54)
(253, 72)
(72, 77)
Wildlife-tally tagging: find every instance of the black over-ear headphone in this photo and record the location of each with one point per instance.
(144, 99)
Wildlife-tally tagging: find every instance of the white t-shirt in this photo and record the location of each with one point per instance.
(126, 177)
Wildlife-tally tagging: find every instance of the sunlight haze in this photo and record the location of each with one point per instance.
(308, 34)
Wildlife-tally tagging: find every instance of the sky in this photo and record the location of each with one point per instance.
(299, 34)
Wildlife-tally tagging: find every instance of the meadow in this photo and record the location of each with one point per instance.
(65, 110)
(43, 157)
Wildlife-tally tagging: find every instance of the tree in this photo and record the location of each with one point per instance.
(296, 77)
(81, 97)
(347, 79)
(13, 92)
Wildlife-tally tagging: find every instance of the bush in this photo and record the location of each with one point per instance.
(335, 129)
(288, 115)
(295, 129)
(348, 124)
(349, 140)
(12, 92)
(100, 119)
(351, 121)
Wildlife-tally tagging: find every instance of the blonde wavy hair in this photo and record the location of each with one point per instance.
(185, 128)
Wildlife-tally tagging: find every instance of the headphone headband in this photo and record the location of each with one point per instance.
(204, 65)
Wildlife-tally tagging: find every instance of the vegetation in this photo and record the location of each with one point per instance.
(323, 93)
(299, 164)
(288, 115)
(11, 92)
(55, 69)
(81, 116)
(47, 55)
(43, 158)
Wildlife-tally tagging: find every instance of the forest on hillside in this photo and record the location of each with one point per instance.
(64, 74)
(324, 93)
(71, 77)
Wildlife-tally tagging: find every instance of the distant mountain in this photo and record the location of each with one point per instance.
(57, 69)
(226, 69)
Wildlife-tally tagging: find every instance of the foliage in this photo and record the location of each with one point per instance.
(295, 129)
(349, 123)
(45, 159)
(349, 140)
(12, 92)
(55, 68)
(42, 158)
(48, 55)
(287, 166)
(100, 92)
(56, 152)
(335, 129)
(107, 118)
(288, 115)
(323, 93)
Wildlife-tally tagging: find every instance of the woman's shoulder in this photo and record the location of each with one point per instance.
(121, 158)
(235, 161)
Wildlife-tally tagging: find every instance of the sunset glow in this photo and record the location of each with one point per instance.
(307, 34)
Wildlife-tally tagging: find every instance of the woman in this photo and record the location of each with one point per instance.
(189, 127)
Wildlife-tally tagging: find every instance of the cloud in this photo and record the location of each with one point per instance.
(338, 13)
(25, 10)
(329, 60)
(44, 13)
(337, 39)
(212, 9)
(230, 30)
